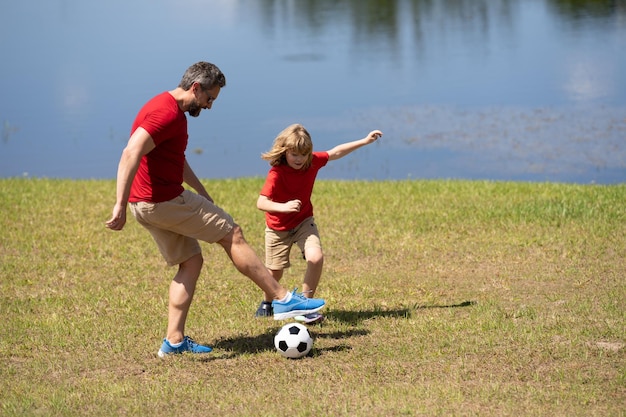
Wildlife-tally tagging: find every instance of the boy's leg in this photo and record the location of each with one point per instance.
(314, 265)
(308, 240)
(277, 250)
(311, 246)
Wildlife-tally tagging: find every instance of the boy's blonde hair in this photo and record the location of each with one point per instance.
(293, 138)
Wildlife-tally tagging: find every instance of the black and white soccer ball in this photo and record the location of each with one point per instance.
(293, 341)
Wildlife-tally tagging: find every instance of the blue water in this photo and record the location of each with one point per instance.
(531, 90)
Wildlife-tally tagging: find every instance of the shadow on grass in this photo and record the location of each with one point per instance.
(248, 344)
(463, 304)
(356, 317)
(315, 352)
(245, 345)
(264, 342)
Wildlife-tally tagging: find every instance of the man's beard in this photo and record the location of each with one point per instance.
(194, 110)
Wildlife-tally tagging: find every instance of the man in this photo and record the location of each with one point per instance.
(150, 175)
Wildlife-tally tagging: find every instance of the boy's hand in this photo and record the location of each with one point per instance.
(373, 136)
(292, 206)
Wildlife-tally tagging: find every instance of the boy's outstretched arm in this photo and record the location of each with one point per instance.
(342, 150)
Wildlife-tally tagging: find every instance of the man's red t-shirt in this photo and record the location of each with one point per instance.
(160, 174)
(284, 183)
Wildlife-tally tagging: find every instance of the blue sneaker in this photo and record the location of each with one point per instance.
(188, 345)
(297, 305)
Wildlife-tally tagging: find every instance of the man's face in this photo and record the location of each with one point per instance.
(204, 99)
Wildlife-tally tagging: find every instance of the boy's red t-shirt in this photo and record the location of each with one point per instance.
(284, 183)
(160, 174)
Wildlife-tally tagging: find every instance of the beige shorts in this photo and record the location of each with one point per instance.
(178, 224)
(278, 243)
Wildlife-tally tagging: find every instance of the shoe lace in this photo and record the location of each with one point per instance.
(301, 294)
(296, 295)
(190, 342)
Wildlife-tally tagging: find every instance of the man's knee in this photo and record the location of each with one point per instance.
(237, 235)
(233, 238)
(193, 263)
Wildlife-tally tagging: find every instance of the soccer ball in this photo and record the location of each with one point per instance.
(293, 341)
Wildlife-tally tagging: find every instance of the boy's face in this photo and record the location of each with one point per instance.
(295, 159)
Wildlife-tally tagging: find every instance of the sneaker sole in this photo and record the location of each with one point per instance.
(294, 313)
(304, 320)
(163, 354)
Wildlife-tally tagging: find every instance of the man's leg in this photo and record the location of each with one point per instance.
(248, 263)
(181, 293)
(285, 304)
(277, 274)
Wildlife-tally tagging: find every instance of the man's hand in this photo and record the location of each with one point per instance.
(118, 218)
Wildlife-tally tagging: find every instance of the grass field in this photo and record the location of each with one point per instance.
(443, 298)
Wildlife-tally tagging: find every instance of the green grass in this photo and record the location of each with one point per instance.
(443, 298)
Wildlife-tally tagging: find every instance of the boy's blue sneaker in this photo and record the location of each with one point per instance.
(188, 345)
(297, 305)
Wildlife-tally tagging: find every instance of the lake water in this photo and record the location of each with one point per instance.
(531, 90)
